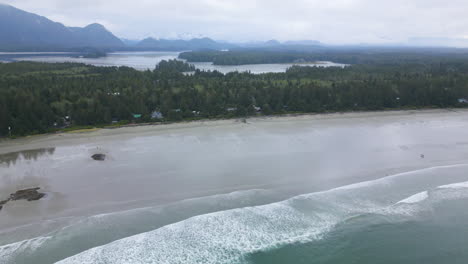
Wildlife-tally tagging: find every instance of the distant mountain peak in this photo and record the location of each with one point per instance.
(21, 30)
(180, 44)
(95, 26)
(8, 8)
(273, 42)
(204, 40)
(303, 42)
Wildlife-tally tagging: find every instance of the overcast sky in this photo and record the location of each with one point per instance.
(329, 21)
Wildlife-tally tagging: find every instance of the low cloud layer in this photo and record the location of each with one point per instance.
(332, 21)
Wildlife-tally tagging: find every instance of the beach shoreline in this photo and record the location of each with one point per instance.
(59, 138)
(151, 165)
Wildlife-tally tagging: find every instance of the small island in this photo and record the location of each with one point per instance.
(243, 57)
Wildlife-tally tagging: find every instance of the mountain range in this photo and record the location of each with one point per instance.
(24, 31)
(21, 30)
(178, 44)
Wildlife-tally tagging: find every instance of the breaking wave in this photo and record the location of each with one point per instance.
(75, 236)
(232, 236)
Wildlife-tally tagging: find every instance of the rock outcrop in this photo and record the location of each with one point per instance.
(100, 157)
(29, 195)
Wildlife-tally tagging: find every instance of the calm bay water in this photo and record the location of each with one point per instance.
(148, 60)
(350, 188)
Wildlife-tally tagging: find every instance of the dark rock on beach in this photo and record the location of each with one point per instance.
(3, 203)
(31, 194)
(100, 157)
(27, 194)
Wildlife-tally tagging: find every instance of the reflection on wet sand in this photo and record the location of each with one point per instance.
(33, 154)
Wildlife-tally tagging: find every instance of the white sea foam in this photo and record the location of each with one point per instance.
(440, 193)
(215, 238)
(417, 198)
(458, 185)
(104, 228)
(370, 183)
(422, 196)
(31, 244)
(227, 237)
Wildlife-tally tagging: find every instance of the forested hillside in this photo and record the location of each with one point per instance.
(38, 97)
(285, 54)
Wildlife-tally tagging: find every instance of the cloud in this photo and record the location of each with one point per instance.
(331, 21)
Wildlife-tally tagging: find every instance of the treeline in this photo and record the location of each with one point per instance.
(39, 97)
(247, 57)
(174, 66)
(372, 56)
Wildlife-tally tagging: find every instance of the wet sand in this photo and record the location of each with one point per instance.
(76, 137)
(151, 165)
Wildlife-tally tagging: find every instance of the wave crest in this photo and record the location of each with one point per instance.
(229, 236)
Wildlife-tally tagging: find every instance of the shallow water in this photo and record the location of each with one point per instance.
(344, 188)
(148, 60)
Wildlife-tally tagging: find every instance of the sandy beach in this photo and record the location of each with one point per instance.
(163, 178)
(161, 164)
(79, 137)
